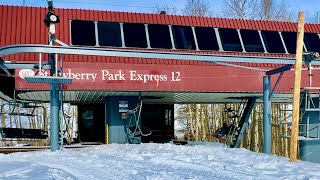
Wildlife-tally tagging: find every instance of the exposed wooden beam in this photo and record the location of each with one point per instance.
(296, 90)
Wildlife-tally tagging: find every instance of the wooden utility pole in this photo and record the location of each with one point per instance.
(296, 90)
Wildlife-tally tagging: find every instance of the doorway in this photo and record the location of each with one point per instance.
(159, 119)
(91, 121)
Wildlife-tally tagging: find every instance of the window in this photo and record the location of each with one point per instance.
(272, 41)
(83, 33)
(109, 34)
(159, 36)
(206, 38)
(135, 35)
(290, 39)
(251, 40)
(230, 39)
(183, 37)
(312, 42)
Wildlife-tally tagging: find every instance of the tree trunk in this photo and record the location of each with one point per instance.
(253, 130)
(190, 123)
(3, 119)
(197, 122)
(260, 130)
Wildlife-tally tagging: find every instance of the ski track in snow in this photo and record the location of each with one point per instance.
(153, 161)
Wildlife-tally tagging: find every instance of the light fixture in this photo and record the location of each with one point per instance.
(51, 18)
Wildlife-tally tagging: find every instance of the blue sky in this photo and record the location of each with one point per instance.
(312, 6)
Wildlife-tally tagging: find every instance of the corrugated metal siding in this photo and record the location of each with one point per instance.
(24, 25)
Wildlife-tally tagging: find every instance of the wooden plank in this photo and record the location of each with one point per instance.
(296, 90)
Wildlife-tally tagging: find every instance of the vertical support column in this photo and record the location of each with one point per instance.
(147, 35)
(241, 41)
(54, 117)
(122, 35)
(296, 90)
(267, 132)
(171, 37)
(283, 43)
(218, 39)
(195, 38)
(96, 32)
(54, 98)
(262, 41)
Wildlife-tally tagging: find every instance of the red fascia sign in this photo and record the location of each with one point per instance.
(140, 77)
(157, 77)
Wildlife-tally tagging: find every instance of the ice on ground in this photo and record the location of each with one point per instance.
(153, 161)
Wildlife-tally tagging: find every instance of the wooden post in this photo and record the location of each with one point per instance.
(296, 90)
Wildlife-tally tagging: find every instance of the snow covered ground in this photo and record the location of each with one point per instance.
(153, 161)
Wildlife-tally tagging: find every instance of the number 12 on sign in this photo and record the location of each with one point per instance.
(175, 76)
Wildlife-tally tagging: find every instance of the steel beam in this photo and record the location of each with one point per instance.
(34, 48)
(267, 144)
(275, 86)
(279, 70)
(3, 67)
(22, 66)
(243, 122)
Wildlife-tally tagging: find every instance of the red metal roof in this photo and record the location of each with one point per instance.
(24, 25)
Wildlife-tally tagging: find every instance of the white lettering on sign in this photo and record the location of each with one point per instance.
(134, 76)
(26, 72)
(106, 75)
(80, 76)
(143, 76)
(175, 76)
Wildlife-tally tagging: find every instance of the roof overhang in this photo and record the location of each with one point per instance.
(155, 97)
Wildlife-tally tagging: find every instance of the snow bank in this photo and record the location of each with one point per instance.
(153, 161)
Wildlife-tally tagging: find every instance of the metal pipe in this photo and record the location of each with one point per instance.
(310, 74)
(56, 65)
(40, 57)
(54, 117)
(267, 130)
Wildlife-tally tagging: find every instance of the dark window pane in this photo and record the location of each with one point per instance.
(272, 42)
(206, 38)
(290, 39)
(251, 40)
(230, 39)
(312, 42)
(159, 36)
(183, 37)
(83, 33)
(109, 34)
(135, 35)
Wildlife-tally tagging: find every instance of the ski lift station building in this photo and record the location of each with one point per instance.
(158, 59)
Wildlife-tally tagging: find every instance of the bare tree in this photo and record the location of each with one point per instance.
(271, 10)
(258, 9)
(166, 9)
(197, 8)
(312, 17)
(242, 9)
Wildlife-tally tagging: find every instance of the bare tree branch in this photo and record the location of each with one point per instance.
(242, 9)
(258, 9)
(197, 8)
(271, 10)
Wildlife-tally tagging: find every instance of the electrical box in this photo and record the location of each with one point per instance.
(124, 116)
(123, 109)
(123, 106)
